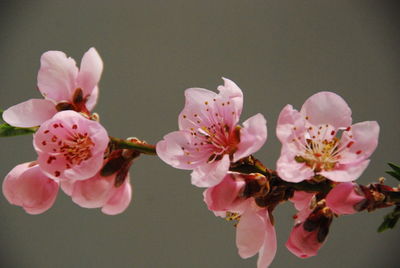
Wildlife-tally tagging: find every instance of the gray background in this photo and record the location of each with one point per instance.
(278, 52)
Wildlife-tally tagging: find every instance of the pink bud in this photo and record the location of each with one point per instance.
(343, 198)
(222, 196)
(26, 186)
(308, 236)
(303, 243)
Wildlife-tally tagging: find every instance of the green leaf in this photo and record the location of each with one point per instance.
(390, 220)
(9, 131)
(395, 172)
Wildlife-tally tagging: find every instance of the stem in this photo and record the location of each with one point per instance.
(137, 146)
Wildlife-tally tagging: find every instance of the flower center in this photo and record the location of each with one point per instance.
(213, 130)
(320, 154)
(77, 148)
(321, 149)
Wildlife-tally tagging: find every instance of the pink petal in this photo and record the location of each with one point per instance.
(327, 108)
(301, 200)
(93, 192)
(232, 92)
(291, 171)
(210, 174)
(361, 140)
(268, 249)
(92, 99)
(28, 187)
(302, 243)
(345, 173)
(197, 101)
(90, 71)
(171, 152)
(57, 76)
(120, 199)
(30, 113)
(86, 169)
(252, 136)
(291, 125)
(222, 196)
(67, 186)
(250, 233)
(343, 197)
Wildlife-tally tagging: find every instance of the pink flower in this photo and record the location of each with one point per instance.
(312, 224)
(343, 198)
(304, 243)
(255, 232)
(63, 86)
(320, 140)
(26, 186)
(70, 146)
(100, 192)
(311, 228)
(209, 138)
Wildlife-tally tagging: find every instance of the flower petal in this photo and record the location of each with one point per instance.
(346, 172)
(222, 196)
(30, 113)
(86, 169)
(363, 138)
(92, 99)
(250, 233)
(171, 151)
(233, 93)
(93, 192)
(252, 136)
(197, 101)
(210, 174)
(57, 76)
(327, 108)
(343, 197)
(301, 200)
(268, 249)
(302, 243)
(291, 171)
(291, 125)
(120, 199)
(90, 71)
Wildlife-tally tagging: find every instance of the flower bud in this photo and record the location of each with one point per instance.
(343, 198)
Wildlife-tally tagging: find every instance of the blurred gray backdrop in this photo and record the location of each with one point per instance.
(278, 52)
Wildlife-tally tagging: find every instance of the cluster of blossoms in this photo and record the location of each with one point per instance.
(72, 146)
(322, 155)
(319, 145)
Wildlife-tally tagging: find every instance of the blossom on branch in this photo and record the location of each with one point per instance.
(63, 86)
(70, 146)
(319, 141)
(209, 138)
